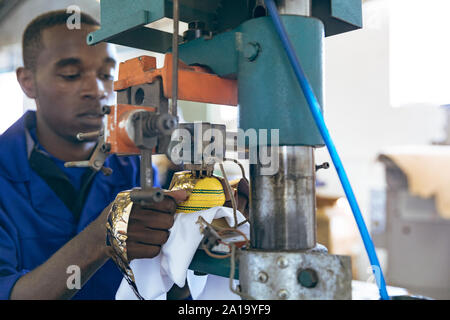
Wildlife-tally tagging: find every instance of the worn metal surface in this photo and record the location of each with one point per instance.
(204, 264)
(285, 108)
(282, 206)
(279, 275)
(192, 80)
(300, 7)
(267, 86)
(126, 25)
(218, 53)
(147, 94)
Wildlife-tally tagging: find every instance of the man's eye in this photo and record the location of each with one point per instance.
(70, 77)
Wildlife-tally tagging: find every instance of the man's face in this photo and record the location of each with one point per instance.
(73, 81)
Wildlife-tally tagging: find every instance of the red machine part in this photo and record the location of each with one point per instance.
(194, 83)
(118, 129)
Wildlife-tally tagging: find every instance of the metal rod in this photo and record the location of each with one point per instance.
(283, 206)
(146, 169)
(176, 20)
(76, 164)
(82, 136)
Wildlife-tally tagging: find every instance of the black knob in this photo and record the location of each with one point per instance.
(308, 278)
(106, 110)
(324, 165)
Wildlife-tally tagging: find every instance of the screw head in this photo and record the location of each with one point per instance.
(283, 294)
(282, 262)
(263, 277)
(308, 278)
(252, 50)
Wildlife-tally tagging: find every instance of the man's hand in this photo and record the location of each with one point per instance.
(241, 195)
(148, 227)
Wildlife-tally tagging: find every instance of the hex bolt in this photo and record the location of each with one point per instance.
(252, 50)
(283, 294)
(308, 278)
(282, 262)
(263, 277)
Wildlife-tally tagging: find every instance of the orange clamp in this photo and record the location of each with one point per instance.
(195, 83)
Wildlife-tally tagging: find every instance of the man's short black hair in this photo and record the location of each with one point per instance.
(32, 36)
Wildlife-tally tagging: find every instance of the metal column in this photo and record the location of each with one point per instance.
(282, 211)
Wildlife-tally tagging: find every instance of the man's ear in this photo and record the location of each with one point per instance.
(26, 81)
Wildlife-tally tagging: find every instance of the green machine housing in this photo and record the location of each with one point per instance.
(242, 46)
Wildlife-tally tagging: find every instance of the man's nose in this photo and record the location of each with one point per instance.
(93, 87)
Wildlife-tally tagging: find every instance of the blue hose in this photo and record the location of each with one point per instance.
(314, 106)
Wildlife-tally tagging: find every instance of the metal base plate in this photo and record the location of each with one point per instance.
(266, 275)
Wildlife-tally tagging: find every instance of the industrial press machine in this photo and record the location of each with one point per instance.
(231, 55)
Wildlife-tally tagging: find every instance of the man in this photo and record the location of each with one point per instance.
(52, 218)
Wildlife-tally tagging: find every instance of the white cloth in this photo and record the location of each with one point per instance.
(211, 287)
(154, 277)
